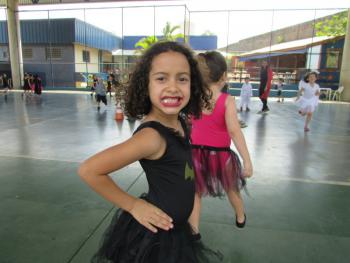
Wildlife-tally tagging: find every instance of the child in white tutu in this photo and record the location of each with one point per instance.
(307, 99)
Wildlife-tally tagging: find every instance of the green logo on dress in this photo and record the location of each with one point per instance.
(189, 174)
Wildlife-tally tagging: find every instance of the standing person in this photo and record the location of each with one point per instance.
(110, 84)
(5, 85)
(26, 85)
(153, 228)
(246, 94)
(31, 82)
(265, 85)
(37, 85)
(217, 168)
(307, 99)
(5, 82)
(279, 87)
(100, 91)
(94, 82)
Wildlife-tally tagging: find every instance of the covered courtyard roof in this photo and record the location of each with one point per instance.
(293, 47)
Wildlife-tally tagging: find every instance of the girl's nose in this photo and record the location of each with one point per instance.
(172, 85)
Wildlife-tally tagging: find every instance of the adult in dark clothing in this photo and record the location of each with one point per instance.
(37, 85)
(265, 85)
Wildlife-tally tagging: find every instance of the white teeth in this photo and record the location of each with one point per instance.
(170, 100)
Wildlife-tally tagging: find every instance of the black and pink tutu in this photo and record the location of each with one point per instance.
(217, 170)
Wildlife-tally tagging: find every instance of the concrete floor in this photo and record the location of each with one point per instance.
(298, 209)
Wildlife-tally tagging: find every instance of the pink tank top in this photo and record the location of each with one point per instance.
(210, 129)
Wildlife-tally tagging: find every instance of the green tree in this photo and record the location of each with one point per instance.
(169, 32)
(333, 26)
(145, 43)
(168, 35)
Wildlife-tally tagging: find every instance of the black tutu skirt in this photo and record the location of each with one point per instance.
(127, 241)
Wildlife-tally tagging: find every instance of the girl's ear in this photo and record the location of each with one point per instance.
(223, 77)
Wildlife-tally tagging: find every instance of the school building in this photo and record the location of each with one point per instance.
(66, 52)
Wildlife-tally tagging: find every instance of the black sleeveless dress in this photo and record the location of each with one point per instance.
(171, 188)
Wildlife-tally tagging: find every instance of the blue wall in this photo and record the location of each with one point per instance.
(62, 31)
(196, 42)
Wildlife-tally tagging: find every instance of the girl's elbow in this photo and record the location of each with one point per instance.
(83, 171)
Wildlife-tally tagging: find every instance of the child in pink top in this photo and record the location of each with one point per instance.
(217, 167)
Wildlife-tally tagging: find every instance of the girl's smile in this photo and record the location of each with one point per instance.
(170, 101)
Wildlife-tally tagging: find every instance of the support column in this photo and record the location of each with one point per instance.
(345, 65)
(15, 47)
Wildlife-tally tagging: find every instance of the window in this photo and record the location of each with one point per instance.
(56, 53)
(27, 53)
(333, 58)
(86, 56)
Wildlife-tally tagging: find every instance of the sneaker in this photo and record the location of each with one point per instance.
(98, 107)
(247, 109)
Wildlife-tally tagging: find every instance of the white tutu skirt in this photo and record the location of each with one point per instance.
(307, 105)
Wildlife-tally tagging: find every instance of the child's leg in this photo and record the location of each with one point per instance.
(307, 120)
(241, 104)
(247, 104)
(237, 204)
(196, 213)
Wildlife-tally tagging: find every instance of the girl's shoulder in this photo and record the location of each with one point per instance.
(161, 129)
(155, 125)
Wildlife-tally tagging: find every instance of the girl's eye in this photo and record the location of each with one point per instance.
(183, 79)
(160, 78)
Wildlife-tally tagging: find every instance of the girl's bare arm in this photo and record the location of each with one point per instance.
(147, 143)
(236, 135)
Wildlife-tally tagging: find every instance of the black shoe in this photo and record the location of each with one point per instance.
(247, 109)
(98, 107)
(241, 225)
(196, 237)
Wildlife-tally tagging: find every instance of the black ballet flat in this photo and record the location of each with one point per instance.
(196, 237)
(241, 225)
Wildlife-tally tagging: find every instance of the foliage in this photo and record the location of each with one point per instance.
(280, 39)
(145, 43)
(333, 26)
(168, 32)
(168, 35)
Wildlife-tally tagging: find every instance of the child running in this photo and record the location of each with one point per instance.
(100, 91)
(217, 167)
(307, 99)
(154, 228)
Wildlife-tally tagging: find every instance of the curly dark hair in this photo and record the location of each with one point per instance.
(138, 102)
